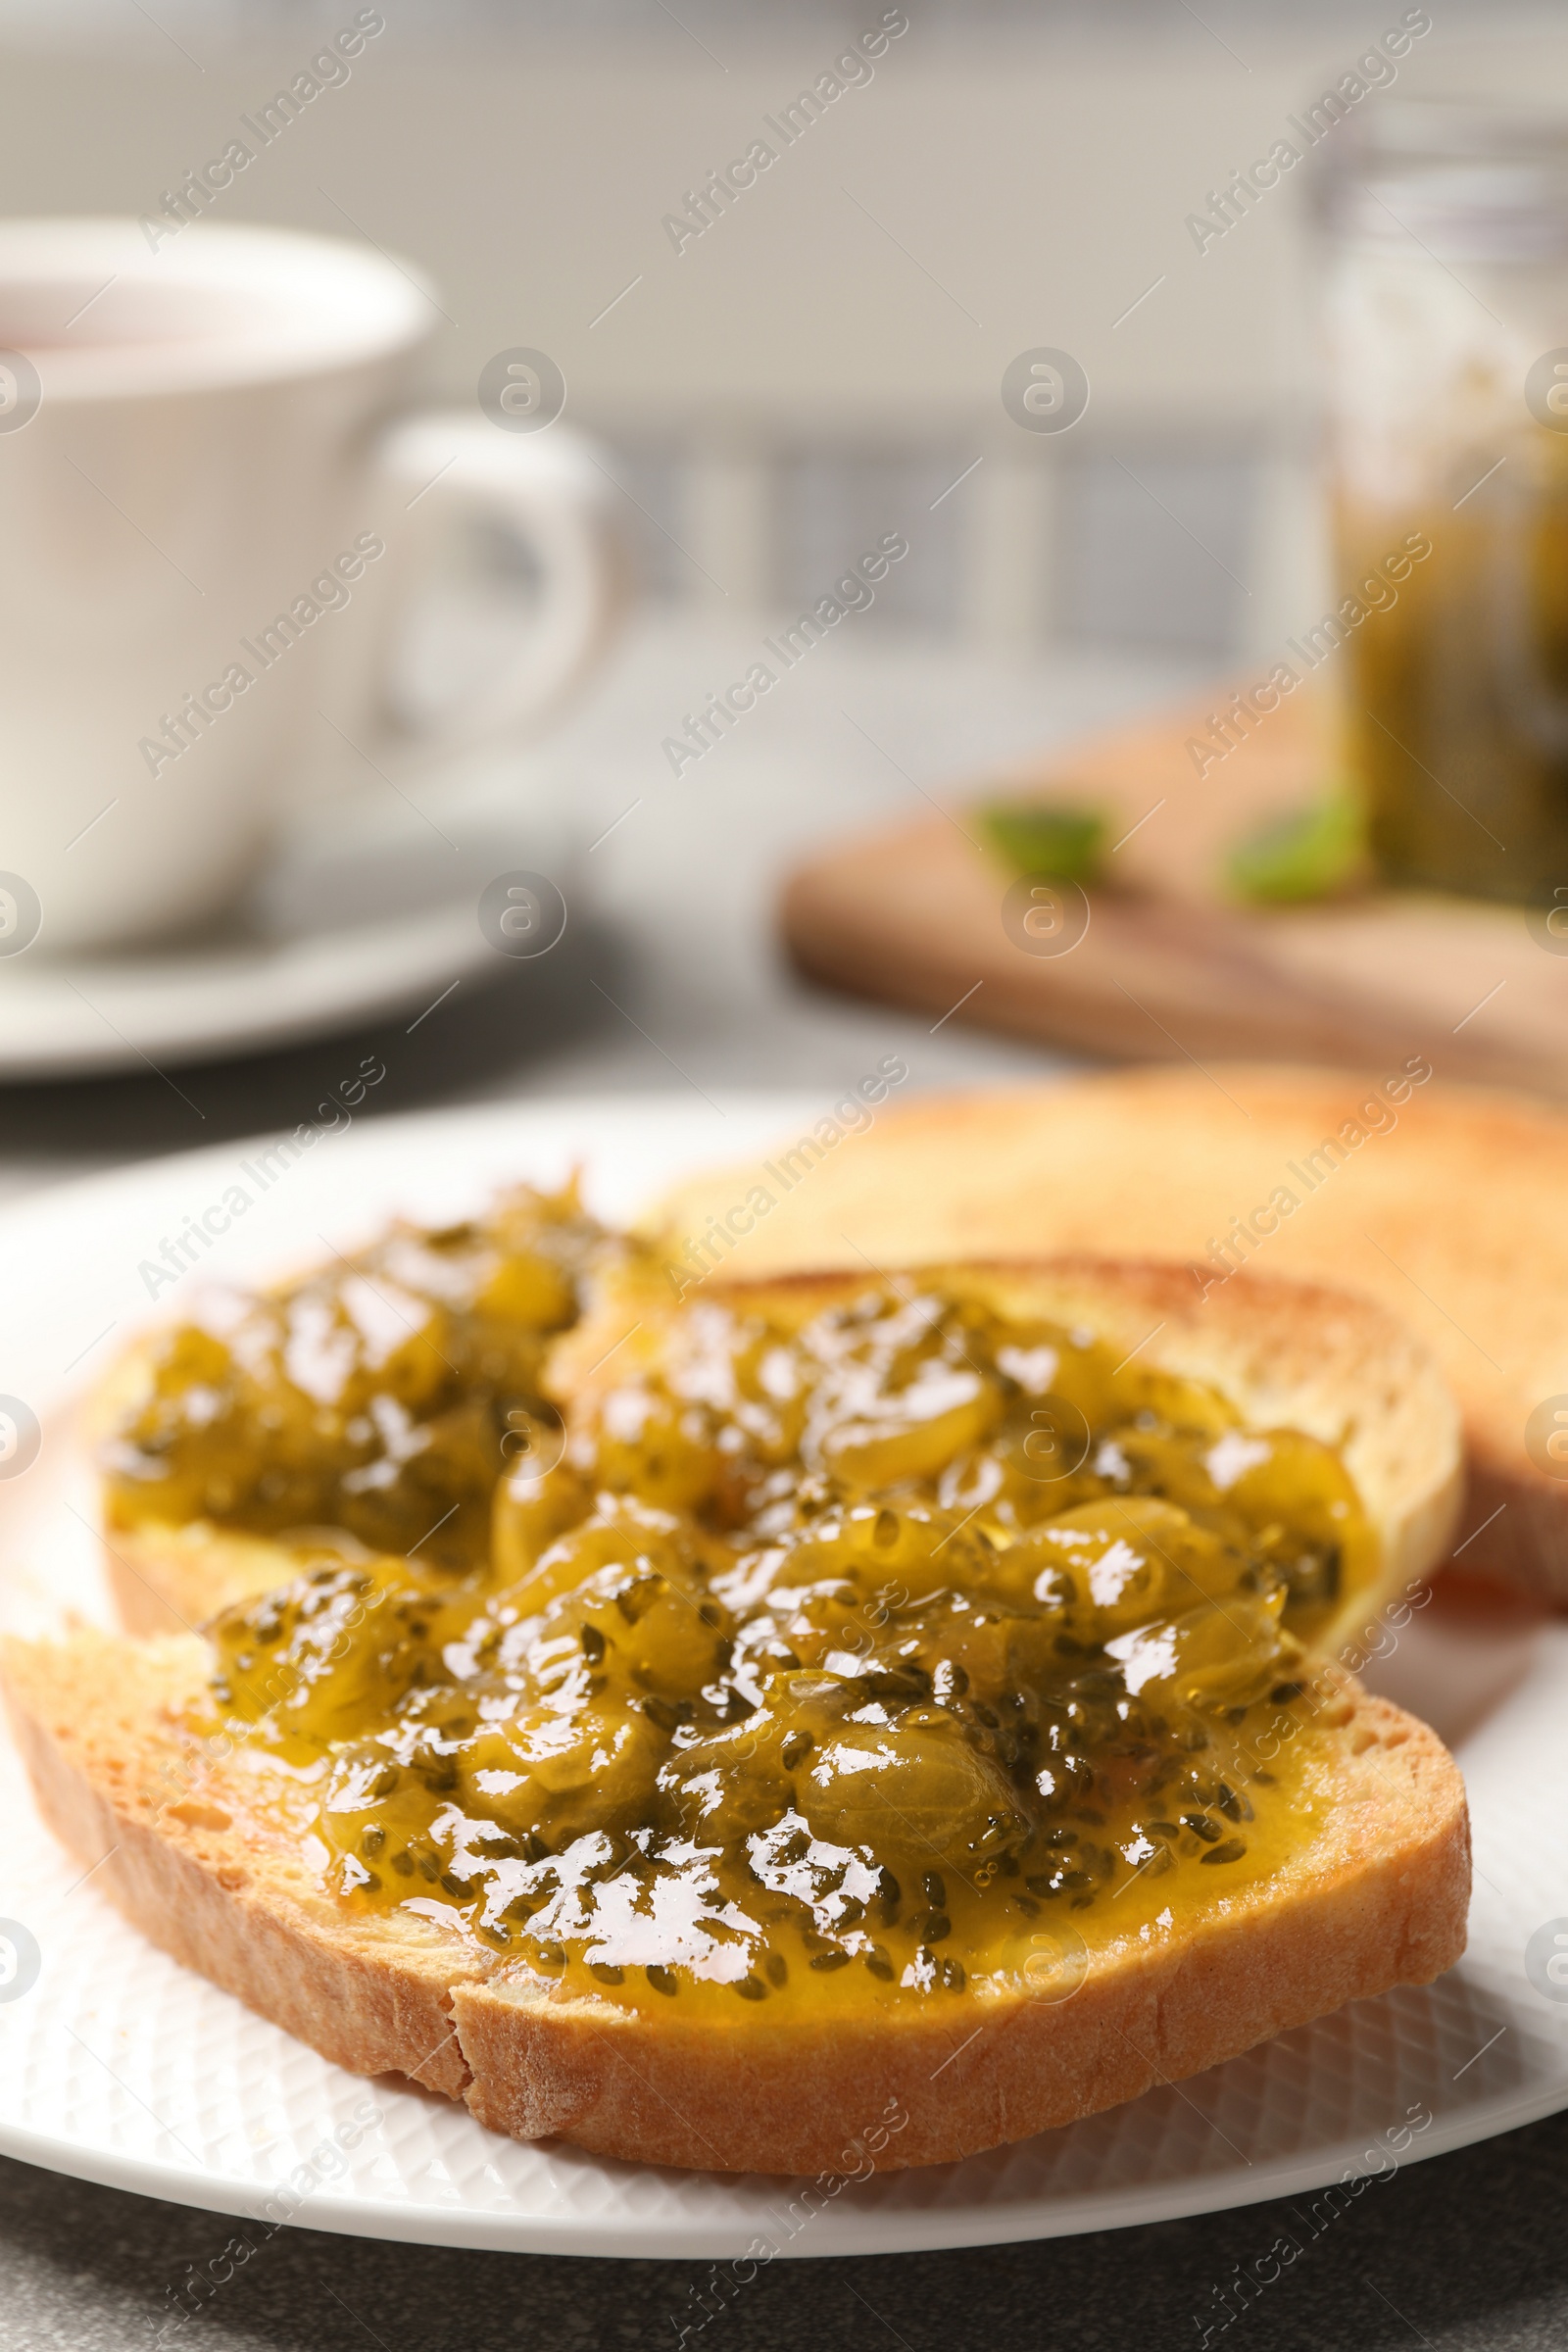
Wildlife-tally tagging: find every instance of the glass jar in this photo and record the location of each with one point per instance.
(1447, 314)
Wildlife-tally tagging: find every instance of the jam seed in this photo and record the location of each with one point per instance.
(933, 1888)
(825, 1961)
(751, 1988)
(794, 1750)
(1230, 1851)
(605, 1972)
(662, 1980)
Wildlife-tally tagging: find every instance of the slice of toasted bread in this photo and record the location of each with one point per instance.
(204, 1852)
(207, 1846)
(163, 1579)
(1441, 1202)
(1286, 1354)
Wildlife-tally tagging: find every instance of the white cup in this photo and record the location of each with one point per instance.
(214, 512)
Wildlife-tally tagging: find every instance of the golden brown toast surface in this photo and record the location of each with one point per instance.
(1448, 1210)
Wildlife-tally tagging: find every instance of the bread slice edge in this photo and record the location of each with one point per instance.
(1378, 1899)
(967, 2075)
(172, 1837)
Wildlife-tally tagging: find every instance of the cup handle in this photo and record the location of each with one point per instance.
(545, 489)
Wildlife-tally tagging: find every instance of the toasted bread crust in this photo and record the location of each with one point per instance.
(1377, 1898)
(183, 1850)
(1382, 1903)
(165, 1579)
(1288, 1354)
(1448, 1212)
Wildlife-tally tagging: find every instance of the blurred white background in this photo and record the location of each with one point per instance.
(825, 360)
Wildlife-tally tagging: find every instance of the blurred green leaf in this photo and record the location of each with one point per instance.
(1040, 837)
(1313, 852)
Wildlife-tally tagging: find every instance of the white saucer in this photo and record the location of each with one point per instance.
(356, 915)
(117, 2066)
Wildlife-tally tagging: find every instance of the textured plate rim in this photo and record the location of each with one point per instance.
(924, 2229)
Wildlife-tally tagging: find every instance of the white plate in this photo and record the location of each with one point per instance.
(360, 912)
(120, 2067)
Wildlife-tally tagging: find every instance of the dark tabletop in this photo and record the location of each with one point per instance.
(1467, 2250)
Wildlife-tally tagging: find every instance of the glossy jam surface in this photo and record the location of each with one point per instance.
(380, 1398)
(852, 1654)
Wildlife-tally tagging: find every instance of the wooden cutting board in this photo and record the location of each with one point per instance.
(1167, 967)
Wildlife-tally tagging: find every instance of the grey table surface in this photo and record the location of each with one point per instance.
(670, 976)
